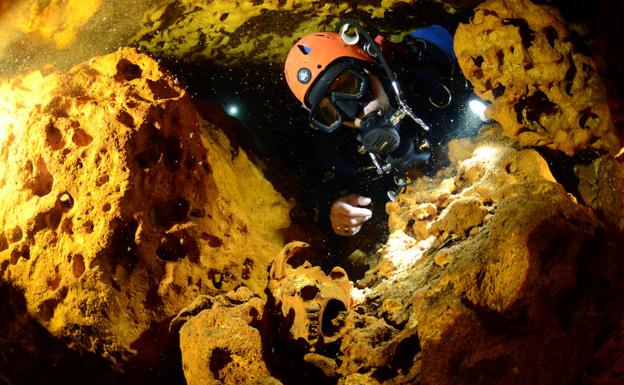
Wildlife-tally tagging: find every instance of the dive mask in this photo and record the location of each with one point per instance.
(338, 95)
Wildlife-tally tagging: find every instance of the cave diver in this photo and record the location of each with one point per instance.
(370, 134)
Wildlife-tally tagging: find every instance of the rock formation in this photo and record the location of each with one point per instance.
(496, 271)
(544, 90)
(504, 268)
(59, 21)
(221, 342)
(120, 205)
(493, 273)
(601, 183)
(264, 31)
(66, 32)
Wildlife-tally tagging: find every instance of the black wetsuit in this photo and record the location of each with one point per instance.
(339, 168)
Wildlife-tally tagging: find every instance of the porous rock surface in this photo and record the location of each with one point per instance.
(544, 89)
(264, 31)
(221, 341)
(119, 205)
(493, 273)
(239, 33)
(601, 183)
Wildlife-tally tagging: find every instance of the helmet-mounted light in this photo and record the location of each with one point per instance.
(304, 75)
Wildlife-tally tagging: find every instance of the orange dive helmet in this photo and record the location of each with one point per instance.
(311, 56)
(322, 63)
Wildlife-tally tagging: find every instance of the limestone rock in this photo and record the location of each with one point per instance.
(544, 90)
(6, 5)
(608, 363)
(600, 186)
(30, 355)
(59, 21)
(519, 297)
(248, 34)
(119, 205)
(264, 31)
(219, 342)
(508, 280)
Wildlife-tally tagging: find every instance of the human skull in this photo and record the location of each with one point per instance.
(315, 299)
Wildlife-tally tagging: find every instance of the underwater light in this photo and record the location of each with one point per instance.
(478, 107)
(485, 153)
(232, 110)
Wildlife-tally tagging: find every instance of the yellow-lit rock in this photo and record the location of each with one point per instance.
(58, 21)
(601, 183)
(119, 205)
(220, 341)
(494, 286)
(544, 90)
(6, 5)
(221, 33)
(252, 31)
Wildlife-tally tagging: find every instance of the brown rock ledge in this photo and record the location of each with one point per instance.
(119, 205)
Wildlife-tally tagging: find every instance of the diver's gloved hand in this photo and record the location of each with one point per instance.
(347, 214)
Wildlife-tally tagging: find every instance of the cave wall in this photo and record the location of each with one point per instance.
(64, 33)
(264, 31)
(545, 89)
(505, 267)
(120, 205)
(519, 239)
(500, 273)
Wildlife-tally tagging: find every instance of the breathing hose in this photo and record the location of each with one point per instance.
(373, 49)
